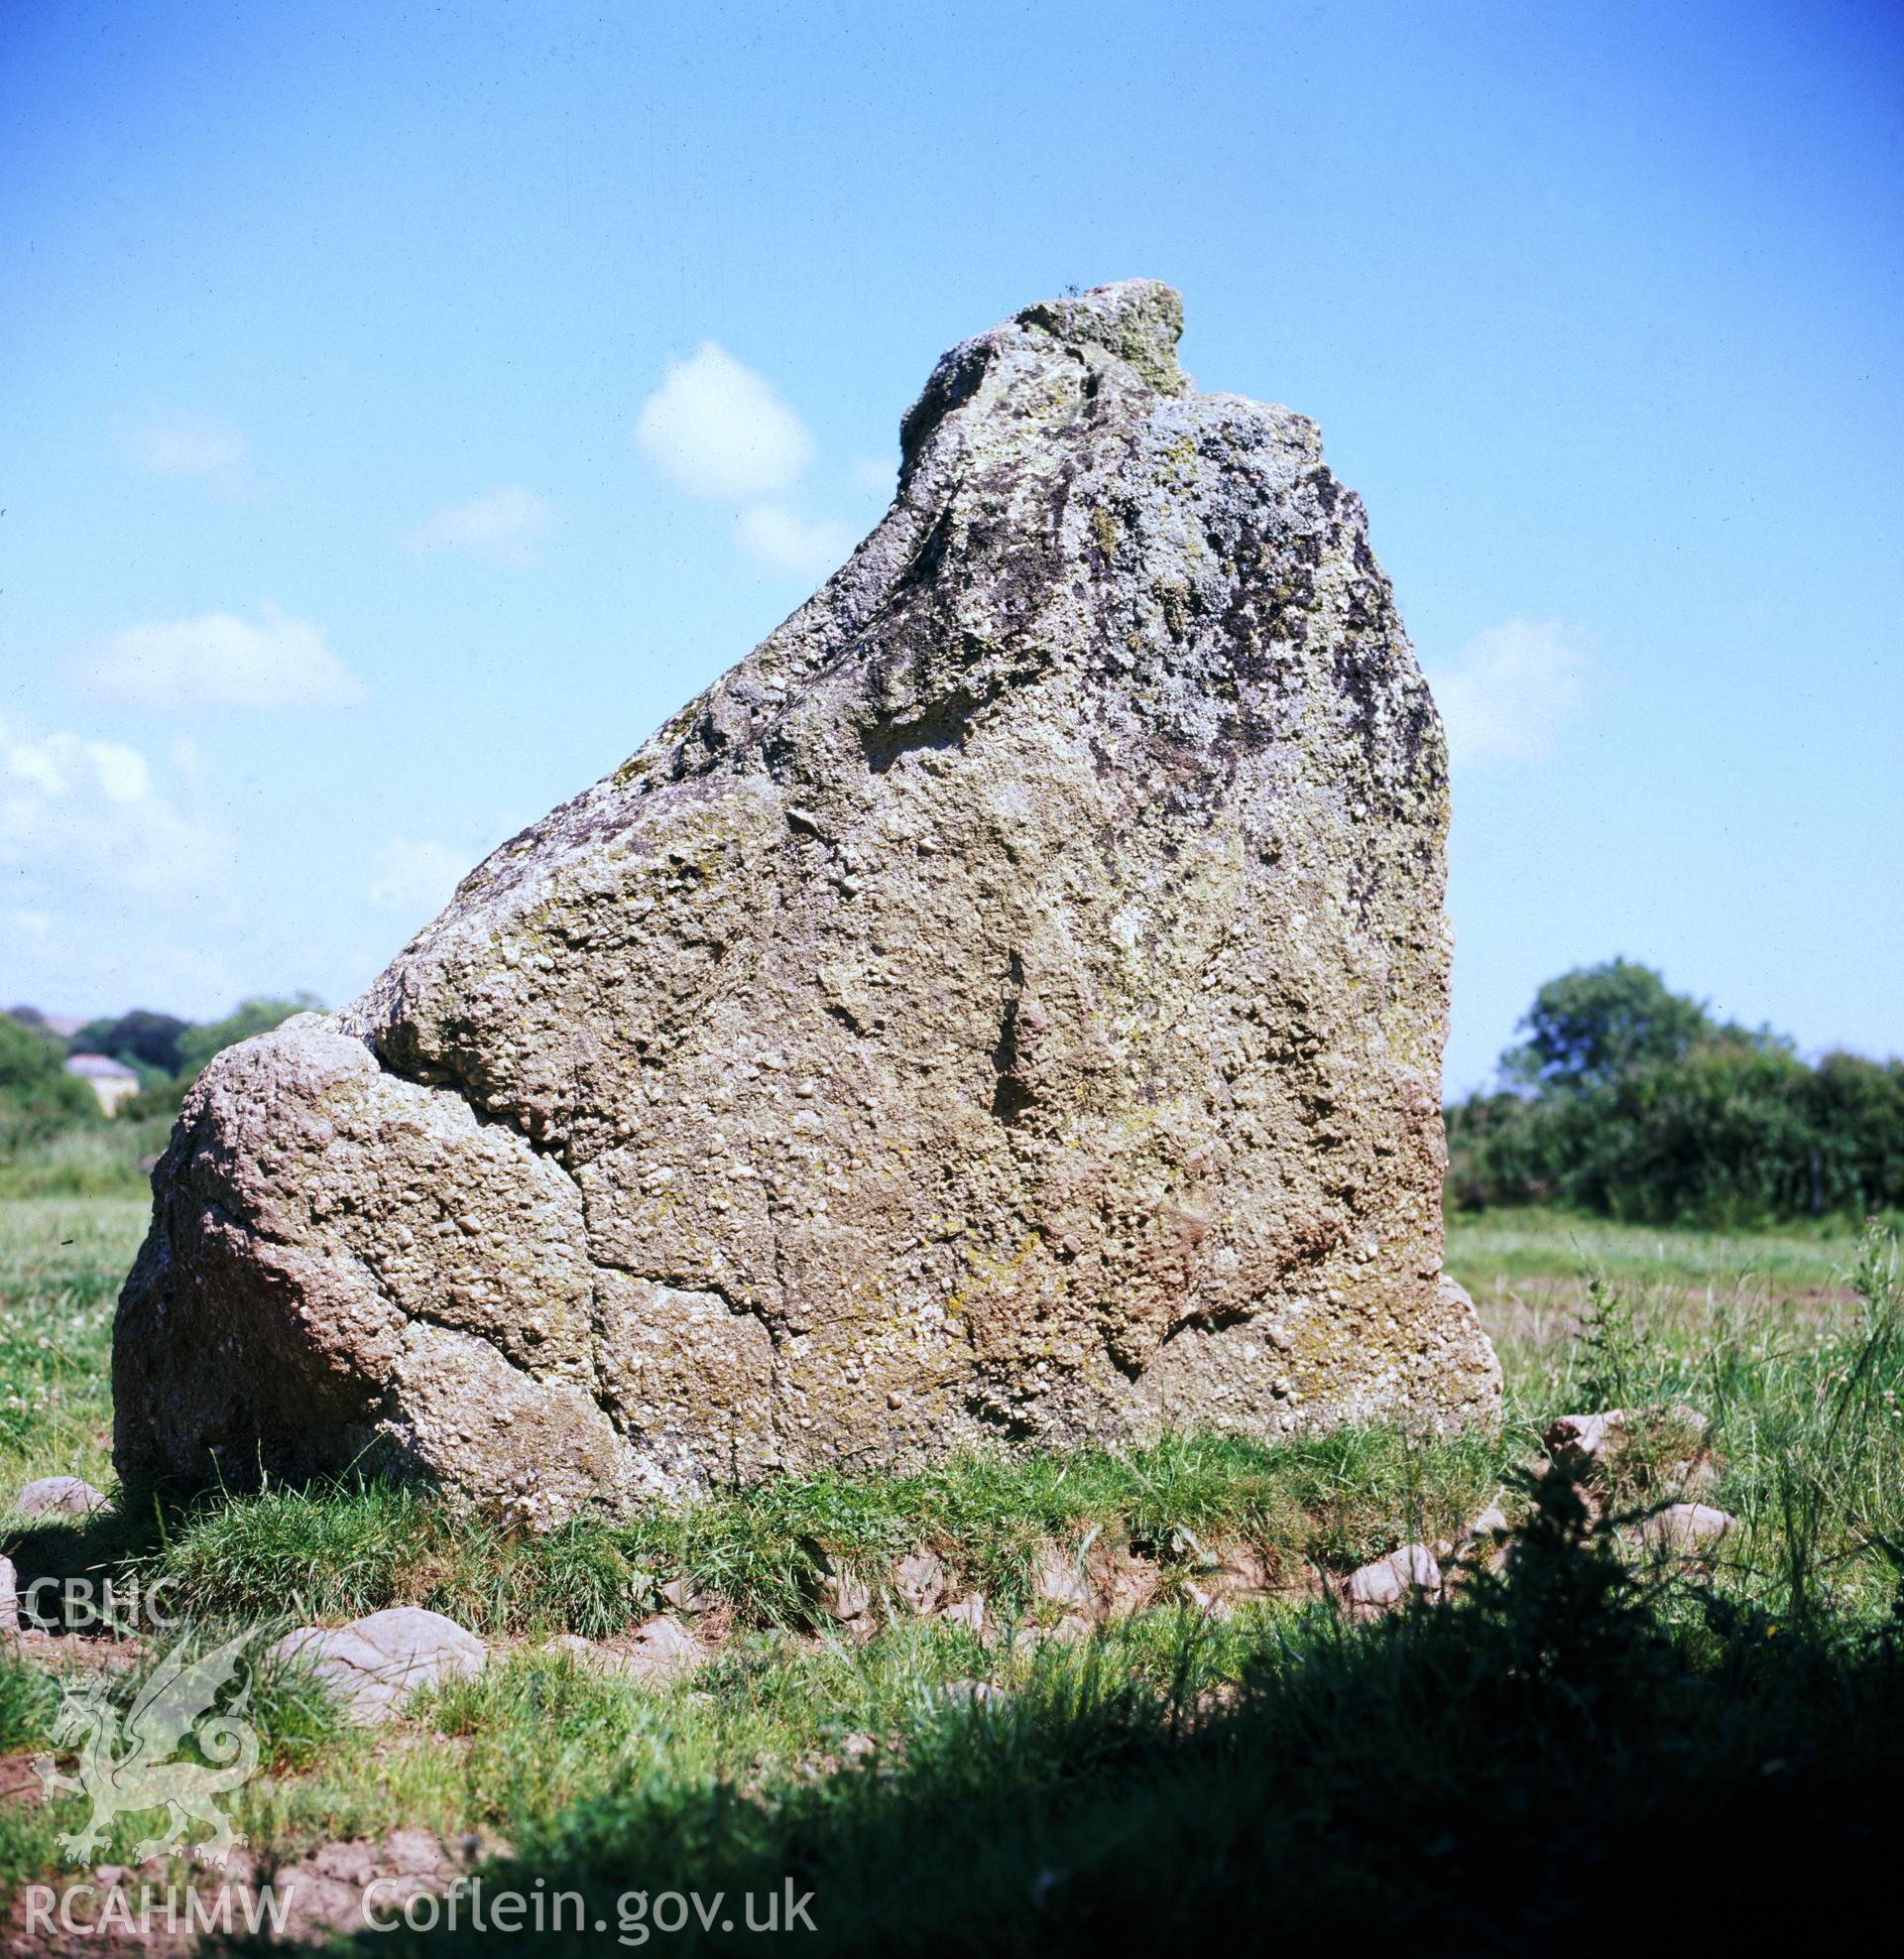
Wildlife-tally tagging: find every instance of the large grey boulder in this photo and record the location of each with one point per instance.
(1008, 1005)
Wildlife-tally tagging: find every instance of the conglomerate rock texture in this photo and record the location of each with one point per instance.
(1008, 1005)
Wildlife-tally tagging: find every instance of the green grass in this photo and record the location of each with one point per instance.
(27, 1702)
(540, 1735)
(1492, 1252)
(1334, 1500)
(1789, 1347)
(61, 1264)
(1483, 1776)
(1459, 1782)
(97, 1160)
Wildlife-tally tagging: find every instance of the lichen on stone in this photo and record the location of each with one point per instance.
(1008, 1005)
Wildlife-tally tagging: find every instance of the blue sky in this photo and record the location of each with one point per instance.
(403, 409)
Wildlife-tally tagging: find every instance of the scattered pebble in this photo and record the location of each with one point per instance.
(1578, 1441)
(919, 1581)
(320, 1894)
(1207, 1600)
(1491, 1524)
(968, 1612)
(660, 1648)
(1410, 1572)
(375, 1664)
(1059, 1581)
(1593, 1445)
(833, 1587)
(1686, 1527)
(843, 1597)
(1069, 1631)
(969, 1693)
(685, 1596)
(60, 1496)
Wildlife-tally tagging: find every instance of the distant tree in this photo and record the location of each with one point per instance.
(141, 1038)
(1631, 1101)
(197, 1045)
(1593, 1024)
(37, 1095)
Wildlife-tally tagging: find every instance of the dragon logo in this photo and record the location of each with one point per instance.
(130, 1764)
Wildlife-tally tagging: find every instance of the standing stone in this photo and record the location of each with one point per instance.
(1008, 1005)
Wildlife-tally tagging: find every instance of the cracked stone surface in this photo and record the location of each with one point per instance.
(1008, 1005)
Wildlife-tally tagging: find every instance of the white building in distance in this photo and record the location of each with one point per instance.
(112, 1081)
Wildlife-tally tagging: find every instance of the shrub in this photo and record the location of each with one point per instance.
(1640, 1106)
(36, 1096)
(140, 1039)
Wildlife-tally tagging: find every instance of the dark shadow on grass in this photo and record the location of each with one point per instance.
(69, 1570)
(1576, 1749)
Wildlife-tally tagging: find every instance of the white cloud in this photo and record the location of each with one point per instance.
(505, 522)
(193, 450)
(804, 548)
(716, 429)
(1509, 693)
(414, 878)
(220, 660)
(78, 817)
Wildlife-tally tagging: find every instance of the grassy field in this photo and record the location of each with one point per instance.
(1479, 1774)
(61, 1264)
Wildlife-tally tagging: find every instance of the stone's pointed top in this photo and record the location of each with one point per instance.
(1134, 321)
(1139, 320)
